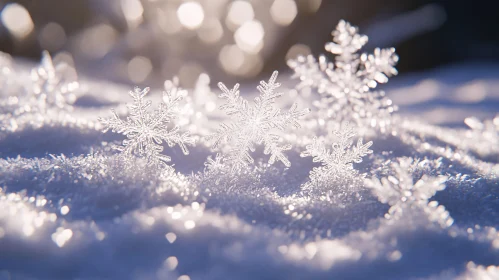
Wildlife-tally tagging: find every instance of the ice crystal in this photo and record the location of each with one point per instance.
(254, 125)
(483, 136)
(216, 171)
(5, 67)
(46, 96)
(214, 167)
(402, 194)
(345, 85)
(6, 78)
(336, 162)
(146, 131)
(53, 86)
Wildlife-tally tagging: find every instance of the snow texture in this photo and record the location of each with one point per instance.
(422, 205)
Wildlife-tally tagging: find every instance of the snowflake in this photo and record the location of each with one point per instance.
(255, 124)
(345, 85)
(402, 194)
(53, 86)
(338, 161)
(147, 131)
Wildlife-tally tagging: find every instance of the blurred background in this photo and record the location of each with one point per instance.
(144, 42)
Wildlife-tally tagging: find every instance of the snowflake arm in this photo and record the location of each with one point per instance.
(379, 66)
(274, 150)
(289, 118)
(346, 42)
(254, 124)
(146, 132)
(337, 161)
(312, 73)
(235, 103)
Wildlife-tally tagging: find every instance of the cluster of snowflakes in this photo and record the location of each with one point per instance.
(345, 102)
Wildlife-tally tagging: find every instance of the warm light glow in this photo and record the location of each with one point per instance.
(210, 106)
(239, 13)
(283, 12)
(190, 14)
(231, 58)
(96, 41)
(249, 37)
(133, 10)
(171, 263)
(171, 237)
(189, 224)
(17, 20)
(139, 68)
(211, 32)
(64, 210)
(61, 236)
(168, 20)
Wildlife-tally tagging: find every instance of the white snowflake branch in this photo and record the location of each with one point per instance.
(146, 132)
(254, 125)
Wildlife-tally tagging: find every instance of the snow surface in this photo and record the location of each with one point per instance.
(71, 208)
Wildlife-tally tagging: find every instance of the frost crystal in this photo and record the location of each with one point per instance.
(345, 84)
(254, 124)
(47, 96)
(401, 193)
(338, 161)
(215, 168)
(54, 86)
(483, 136)
(146, 131)
(5, 67)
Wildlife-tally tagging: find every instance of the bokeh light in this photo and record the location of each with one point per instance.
(17, 20)
(174, 35)
(239, 13)
(211, 32)
(249, 37)
(132, 10)
(190, 14)
(167, 20)
(283, 12)
(139, 68)
(96, 41)
(231, 58)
